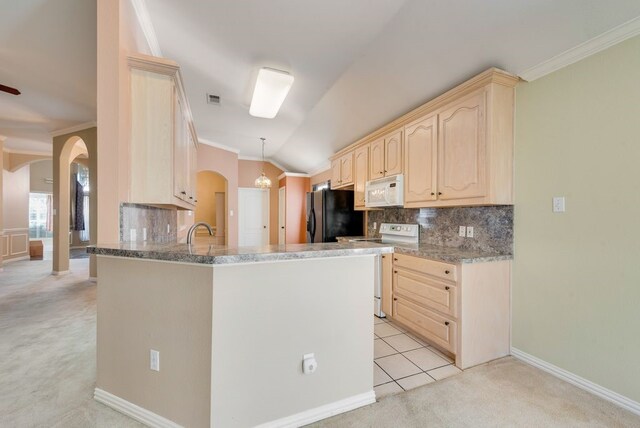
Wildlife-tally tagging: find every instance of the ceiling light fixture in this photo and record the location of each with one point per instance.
(263, 181)
(272, 87)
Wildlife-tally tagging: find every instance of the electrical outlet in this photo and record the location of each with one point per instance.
(469, 231)
(154, 360)
(462, 231)
(132, 235)
(558, 204)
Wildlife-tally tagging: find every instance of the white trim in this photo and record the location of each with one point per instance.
(322, 412)
(72, 129)
(59, 273)
(142, 13)
(293, 174)
(26, 152)
(603, 41)
(257, 159)
(133, 411)
(580, 382)
(325, 167)
(217, 145)
(15, 259)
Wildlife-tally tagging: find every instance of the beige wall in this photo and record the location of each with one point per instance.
(209, 183)
(296, 208)
(224, 163)
(576, 293)
(41, 170)
(248, 171)
(319, 178)
(14, 243)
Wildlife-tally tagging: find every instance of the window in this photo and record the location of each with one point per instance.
(40, 215)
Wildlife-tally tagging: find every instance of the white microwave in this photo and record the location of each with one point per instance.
(384, 192)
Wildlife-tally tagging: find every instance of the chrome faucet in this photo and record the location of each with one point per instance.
(193, 228)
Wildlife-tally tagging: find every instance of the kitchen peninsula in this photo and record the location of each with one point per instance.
(231, 326)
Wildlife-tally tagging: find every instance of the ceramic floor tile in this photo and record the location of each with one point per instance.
(377, 320)
(387, 389)
(415, 381)
(379, 376)
(397, 366)
(402, 343)
(444, 372)
(425, 359)
(382, 349)
(384, 330)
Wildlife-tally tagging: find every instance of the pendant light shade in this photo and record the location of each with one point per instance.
(263, 181)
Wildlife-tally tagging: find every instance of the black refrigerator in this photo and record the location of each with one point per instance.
(330, 214)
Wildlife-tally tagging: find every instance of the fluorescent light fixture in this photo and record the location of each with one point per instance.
(272, 87)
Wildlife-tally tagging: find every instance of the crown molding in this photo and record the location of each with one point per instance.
(144, 19)
(599, 43)
(74, 128)
(218, 145)
(27, 152)
(293, 174)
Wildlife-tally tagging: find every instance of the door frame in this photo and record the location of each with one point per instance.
(282, 215)
(267, 196)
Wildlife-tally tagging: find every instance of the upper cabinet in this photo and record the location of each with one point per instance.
(386, 156)
(342, 171)
(454, 150)
(162, 139)
(360, 175)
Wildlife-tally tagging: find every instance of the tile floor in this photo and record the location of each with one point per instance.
(403, 361)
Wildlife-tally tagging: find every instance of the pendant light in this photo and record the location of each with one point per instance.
(263, 181)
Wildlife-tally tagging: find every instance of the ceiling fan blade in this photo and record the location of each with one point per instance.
(9, 89)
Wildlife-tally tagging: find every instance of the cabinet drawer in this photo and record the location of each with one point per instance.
(430, 267)
(426, 291)
(440, 330)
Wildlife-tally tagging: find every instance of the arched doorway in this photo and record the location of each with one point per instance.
(74, 171)
(213, 204)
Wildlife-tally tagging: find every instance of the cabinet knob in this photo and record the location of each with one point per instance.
(446, 323)
(195, 200)
(383, 256)
(395, 298)
(439, 193)
(183, 193)
(386, 170)
(447, 287)
(447, 272)
(281, 227)
(380, 172)
(432, 194)
(395, 259)
(395, 271)
(264, 227)
(190, 197)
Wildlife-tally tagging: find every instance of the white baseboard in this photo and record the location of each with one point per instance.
(133, 411)
(59, 273)
(322, 412)
(580, 382)
(16, 259)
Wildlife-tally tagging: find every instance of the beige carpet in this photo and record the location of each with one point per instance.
(47, 373)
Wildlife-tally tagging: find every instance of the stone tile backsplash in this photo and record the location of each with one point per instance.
(493, 226)
(155, 220)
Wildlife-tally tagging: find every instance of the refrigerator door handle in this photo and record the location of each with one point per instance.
(312, 225)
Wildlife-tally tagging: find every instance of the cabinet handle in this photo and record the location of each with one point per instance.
(195, 200)
(281, 227)
(183, 193)
(446, 323)
(386, 170)
(439, 193)
(190, 197)
(447, 272)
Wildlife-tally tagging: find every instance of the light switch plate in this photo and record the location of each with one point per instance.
(154, 360)
(462, 231)
(558, 204)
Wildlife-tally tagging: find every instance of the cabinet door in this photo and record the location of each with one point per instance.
(360, 174)
(192, 170)
(420, 161)
(462, 147)
(179, 151)
(387, 281)
(393, 154)
(432, 326)
(346, 169)
(376, 159)
(335, 173)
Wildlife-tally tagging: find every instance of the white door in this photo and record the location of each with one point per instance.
(253, 217)
(282, 237)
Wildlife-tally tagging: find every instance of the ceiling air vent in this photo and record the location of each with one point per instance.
(213, 99)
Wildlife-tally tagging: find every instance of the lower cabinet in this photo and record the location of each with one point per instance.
(463, 309)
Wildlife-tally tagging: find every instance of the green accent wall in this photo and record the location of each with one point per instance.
(576, 284)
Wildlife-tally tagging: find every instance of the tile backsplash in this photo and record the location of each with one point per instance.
(155, 220)
(493, 226)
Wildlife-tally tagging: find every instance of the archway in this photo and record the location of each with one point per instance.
(213, 206)
(80, 147)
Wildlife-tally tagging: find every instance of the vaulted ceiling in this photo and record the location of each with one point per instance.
(357, 64)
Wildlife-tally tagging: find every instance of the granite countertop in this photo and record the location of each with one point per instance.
(439, 252)
(202, 251)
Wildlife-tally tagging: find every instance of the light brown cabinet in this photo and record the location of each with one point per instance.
(162, 138)
(360, 175)
(387, 284)
(386, 156)
(420, 160)
(463, 309)
(342, 171)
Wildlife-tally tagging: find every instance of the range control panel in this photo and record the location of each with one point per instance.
(392, 232)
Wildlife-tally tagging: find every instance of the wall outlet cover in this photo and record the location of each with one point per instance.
(558, 204)
(462, 231)
(469, 231)
(154, 360)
